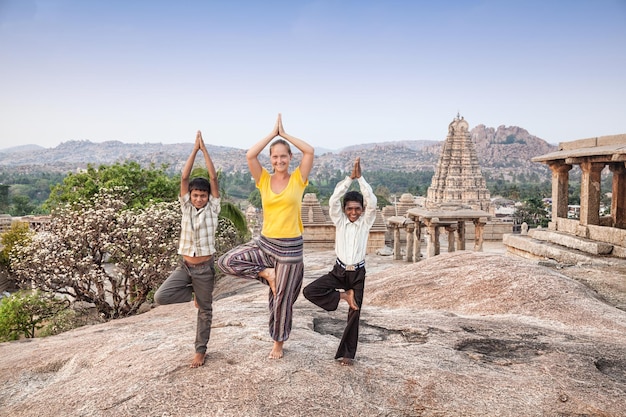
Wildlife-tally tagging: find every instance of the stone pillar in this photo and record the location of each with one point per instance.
(410, 226)
(618, 200)
(590, 193)
(479, 228)
(417, 241)
(560, 185)
(433, 241)
(450, 230)
(397, 252)
(460, 235)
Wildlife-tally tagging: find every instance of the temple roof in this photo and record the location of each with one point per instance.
(615, 152)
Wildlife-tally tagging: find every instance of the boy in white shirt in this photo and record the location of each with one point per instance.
(352, 226)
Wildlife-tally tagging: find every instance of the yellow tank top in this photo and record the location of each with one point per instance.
(282, 212)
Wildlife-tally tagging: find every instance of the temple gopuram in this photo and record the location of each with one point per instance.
(458, 181)
(457, 203)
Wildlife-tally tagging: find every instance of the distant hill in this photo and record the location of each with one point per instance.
(502, 151)
(22, 148)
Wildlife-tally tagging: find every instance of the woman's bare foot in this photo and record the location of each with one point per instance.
(349, 297)
(346, 362)
(269, 274)
(277, 351)
(198, 360)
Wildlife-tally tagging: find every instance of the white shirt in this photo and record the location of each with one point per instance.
(351, 238)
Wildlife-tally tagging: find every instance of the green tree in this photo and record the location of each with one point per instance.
(255, 198)
(312, 188)
(21, 206)
(382, 191)
(24, 312)
(70, 257)
(143, 185)
(73, 257)
(35, 184)
(381, 201)
(533, 212)
(4, 198)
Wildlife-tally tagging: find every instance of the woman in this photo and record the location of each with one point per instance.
(276, 258)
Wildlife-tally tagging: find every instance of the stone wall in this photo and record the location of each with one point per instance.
(5, 222)
(322, 237)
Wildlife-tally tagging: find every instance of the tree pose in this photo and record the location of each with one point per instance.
(352, 228)
(276, 257)
(195, 275)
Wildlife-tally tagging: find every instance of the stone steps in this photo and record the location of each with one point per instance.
(531, 248)
(573, 242)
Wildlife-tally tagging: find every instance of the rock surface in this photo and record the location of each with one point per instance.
(460, 334)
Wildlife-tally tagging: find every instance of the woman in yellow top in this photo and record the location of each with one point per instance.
(276, 257)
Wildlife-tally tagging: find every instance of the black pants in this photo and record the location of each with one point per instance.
(323, 293)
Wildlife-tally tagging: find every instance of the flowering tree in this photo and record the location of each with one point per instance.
(143, 248)
(70, 256)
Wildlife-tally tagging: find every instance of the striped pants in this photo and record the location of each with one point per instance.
(286, 257)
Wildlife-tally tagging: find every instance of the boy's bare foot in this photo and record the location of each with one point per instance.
(269, 274)
(348, 295)
(277, 351)
(198, 360)
(346, 362)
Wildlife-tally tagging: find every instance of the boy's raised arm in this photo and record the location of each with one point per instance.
(184, 178)
(215, 189)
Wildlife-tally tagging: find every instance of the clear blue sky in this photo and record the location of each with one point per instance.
(340, 72)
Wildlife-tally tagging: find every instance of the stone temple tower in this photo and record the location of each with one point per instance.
(458, 182)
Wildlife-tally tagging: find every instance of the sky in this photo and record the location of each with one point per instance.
(340, 72)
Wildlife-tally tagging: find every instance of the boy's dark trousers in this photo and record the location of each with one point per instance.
(323, 293)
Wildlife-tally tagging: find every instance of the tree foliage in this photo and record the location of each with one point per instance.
(69, 258)
(143, 185)
(533, 212)
(254, 198)
(24, 312)
(102, 252)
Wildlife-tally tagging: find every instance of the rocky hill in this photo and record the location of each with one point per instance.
(501, 151)
(459, 334)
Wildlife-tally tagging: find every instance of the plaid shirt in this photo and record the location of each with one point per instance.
(198, 227)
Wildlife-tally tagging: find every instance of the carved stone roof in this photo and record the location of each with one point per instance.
(312, 212)
(602, 149)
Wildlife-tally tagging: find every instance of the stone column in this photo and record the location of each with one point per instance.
(433, 241)
(590, 192)
(479, 228)
(618, 200)
(397, 252)
(460, 235)
(450, 230)
(409, 227)
(560, 185)
(417, 241)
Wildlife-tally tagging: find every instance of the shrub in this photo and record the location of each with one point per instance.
(23, 313)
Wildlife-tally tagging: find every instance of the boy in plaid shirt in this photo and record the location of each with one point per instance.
(195, 275)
